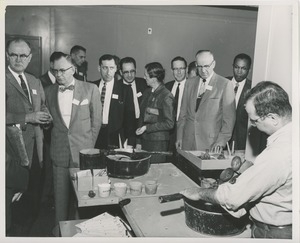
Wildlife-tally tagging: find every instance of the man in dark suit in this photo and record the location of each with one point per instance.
(118, 118)
(241, 84)
(26, 110)
(207, 115)
(76, 110)
(179, 69)
(138, 85)
(78, 55)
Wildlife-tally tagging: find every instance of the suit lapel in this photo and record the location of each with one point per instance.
(207, 92)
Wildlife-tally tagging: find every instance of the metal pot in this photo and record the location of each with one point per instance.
(207, 218)
(91, 159)
(127, 168)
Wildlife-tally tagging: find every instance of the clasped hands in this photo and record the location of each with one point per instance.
(39, 117)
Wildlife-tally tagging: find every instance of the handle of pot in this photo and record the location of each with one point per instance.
(170, 198)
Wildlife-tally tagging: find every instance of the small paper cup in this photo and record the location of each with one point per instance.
(104, 189)
(120, 189)
(151, 187)
(135, 188)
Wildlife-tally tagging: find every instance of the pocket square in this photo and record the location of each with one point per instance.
(84, 102)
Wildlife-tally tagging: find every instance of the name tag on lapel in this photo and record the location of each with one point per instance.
(34, 91)
(208, 87)
(75, 102)
(84, 102)
(115, 96)
(139, 94)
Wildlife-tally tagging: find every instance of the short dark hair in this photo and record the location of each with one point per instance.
(77, 48)
(57, 55)
(155, 70)
(178, 58)
(108, 57)
(192, 66)
(243, 56)
(127, 60)
(17, 40)
(269, 97)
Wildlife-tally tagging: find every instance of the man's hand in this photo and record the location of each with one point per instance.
(216, 148)
(38, 117)
(192, 193)
(140, 130)
(17, 196)
(178, 144)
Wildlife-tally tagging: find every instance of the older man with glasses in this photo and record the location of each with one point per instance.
(207, 113)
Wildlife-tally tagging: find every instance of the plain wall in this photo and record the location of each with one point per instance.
(122, 30)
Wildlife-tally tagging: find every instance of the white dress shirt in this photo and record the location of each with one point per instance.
(239, 91)
(173, 91)
(16, 76)
(206, 82)
(135, 98)
(65, 101)
(108, 96)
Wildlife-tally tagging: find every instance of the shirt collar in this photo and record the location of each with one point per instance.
(286, 128)
(16, 75)
(208, 79)
(124, 82)
(240, 83)
(181, 82)
(72, 83)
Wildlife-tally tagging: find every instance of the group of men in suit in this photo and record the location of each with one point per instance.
(78, 115)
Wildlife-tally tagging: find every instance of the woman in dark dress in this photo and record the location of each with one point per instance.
(157, 112)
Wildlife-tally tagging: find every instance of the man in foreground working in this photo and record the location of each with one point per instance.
(267, 185)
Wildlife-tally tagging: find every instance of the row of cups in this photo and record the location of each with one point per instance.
(135, 188)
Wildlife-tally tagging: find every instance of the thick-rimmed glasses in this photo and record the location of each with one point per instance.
(205, 66)
(60, 71)
(127, 72)
(15, 56)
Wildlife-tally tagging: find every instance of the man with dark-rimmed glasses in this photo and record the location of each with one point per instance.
(207, 114)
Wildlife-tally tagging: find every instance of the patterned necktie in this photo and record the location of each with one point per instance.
(103, 93)
(236, 88)
(24, 87)
(200, 94)
(63, 88)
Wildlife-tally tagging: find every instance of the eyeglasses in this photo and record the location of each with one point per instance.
(179, 69)
(127, 72)
(60, 71)
(15, 56)
(205, 66)
(242, 68)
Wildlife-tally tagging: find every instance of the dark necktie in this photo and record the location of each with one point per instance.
(63, 88)
(24, 87)
(236, 88)
(176, 98)
(103, 93)
(200, 94)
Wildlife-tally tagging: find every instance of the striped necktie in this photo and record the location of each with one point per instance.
(24, 87)
(103, 93)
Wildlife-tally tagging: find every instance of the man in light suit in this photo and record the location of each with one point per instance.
(207, 114)
(138, 86)
(179, 68)
(26, 110)
(240, 84)
(118, 119)
(76, 110)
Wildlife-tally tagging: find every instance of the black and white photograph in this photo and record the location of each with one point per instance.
(163, 121)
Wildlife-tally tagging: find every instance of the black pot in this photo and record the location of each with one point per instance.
(92, 159)
(136, 165)
(207, 218)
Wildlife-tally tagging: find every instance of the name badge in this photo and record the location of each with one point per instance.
(209, 87)
(34, 91)
(80, 73)
(115, 96)
(139, 94)
(75, 102)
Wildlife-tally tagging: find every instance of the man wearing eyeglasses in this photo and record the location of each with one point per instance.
(26, 112)
(138, 86)
(118, 118)
(76, 110)
(265, 188)
(207, 115)
(241, 84)
(179, 69)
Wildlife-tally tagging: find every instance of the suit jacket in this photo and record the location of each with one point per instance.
(214, 120)
(45, 80)
(162, 119)
(17, 106)
(241, 124)
(84, 126)
(121, 120)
